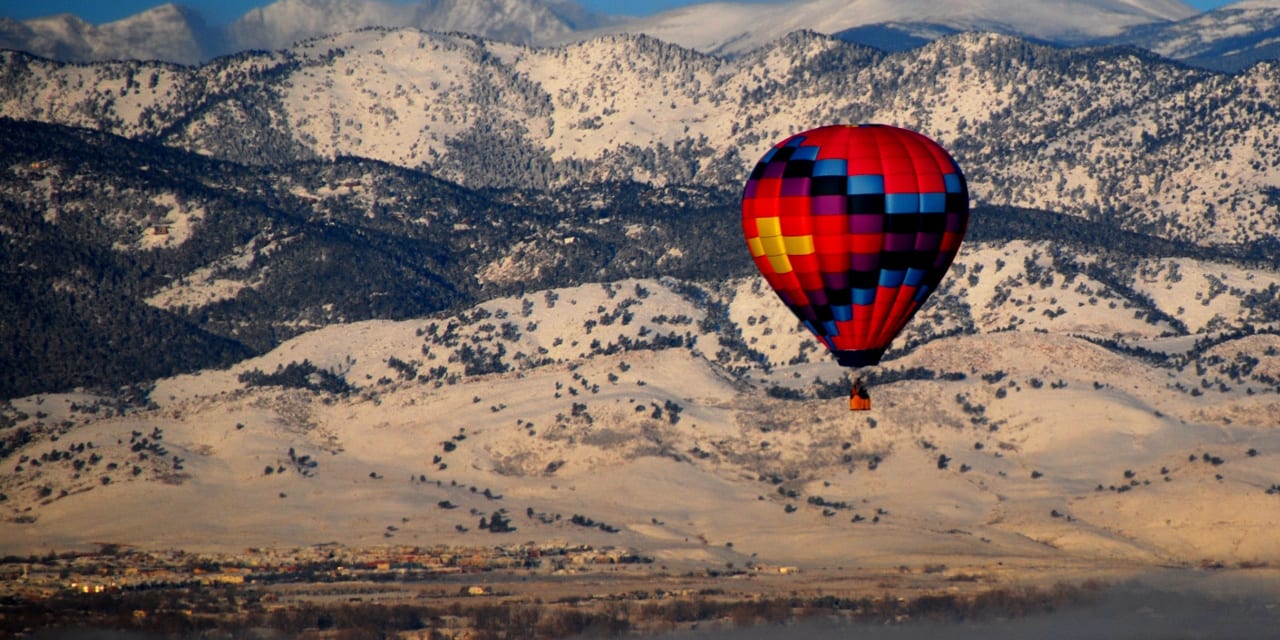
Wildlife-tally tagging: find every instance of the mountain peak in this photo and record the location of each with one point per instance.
(166, 32)
(732, 28)
(285, 21)
(1229, 38)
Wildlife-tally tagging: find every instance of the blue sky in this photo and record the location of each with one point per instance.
(222, 11)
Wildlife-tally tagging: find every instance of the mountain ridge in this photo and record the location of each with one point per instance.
(173, 33)
(735, 29)
(742, 27)
(166, 32)
(1229, 38)
(1095, 132)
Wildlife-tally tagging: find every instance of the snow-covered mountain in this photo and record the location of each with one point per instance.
(284, 22)
(1230, 38)
(1098, 133)
(172, 34)
(168, 32)
(729, 28)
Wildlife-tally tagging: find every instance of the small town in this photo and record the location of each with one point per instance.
(551, 590)
(117, 568)
(452, 591)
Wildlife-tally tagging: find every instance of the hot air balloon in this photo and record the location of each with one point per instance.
(854, 227)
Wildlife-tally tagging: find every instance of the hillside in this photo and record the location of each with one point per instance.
(602, 401)
(1230, 38)
(734, 28)
(129, 261)
(1096, 133)
(174, 34)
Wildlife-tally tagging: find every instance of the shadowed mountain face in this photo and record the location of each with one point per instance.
(132, 261)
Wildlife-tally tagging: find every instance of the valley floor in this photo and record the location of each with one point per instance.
(333, 591)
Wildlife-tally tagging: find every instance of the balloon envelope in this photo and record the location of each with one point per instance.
(854, 227)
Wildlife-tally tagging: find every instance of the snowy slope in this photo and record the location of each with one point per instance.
(1230, 38)
(728, 28)
(1094, 133)
(168, 32)
(284, 22)
(175, 34)
(1047, 448)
